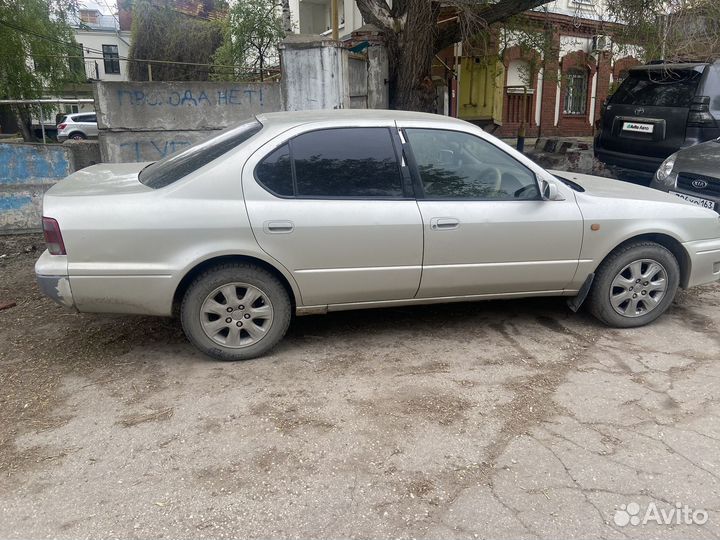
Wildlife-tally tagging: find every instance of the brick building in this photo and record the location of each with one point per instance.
(558, 90)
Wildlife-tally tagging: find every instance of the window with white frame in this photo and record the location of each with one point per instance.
(576, 91)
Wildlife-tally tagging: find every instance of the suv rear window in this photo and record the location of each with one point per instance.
(659, 88)
(176, 166)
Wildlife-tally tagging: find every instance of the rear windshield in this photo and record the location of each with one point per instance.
(660, 88)
(178, 165)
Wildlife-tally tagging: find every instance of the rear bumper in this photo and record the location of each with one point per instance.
(628, 161)
(52, 279)
(705, 260)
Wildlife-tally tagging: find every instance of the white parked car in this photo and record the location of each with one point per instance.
(77, 126)
(320, 211)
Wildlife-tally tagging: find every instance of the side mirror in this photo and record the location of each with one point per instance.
(549, 191)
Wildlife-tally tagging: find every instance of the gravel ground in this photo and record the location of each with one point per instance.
(510, 419)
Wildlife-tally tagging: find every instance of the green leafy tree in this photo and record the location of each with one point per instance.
(38, 53)
(182, 45)
(253, 31)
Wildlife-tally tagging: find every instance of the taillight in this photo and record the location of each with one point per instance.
(61, 126)
(53, 237)
(699, 115)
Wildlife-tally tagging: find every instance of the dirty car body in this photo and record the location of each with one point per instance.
(321, 211)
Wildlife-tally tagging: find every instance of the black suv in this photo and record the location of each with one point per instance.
(658, 109)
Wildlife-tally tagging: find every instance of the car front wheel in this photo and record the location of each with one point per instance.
(235, 312)
(634, 285)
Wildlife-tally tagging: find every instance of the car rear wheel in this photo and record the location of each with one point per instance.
(235, 312)
(77, 136)
(634, 285)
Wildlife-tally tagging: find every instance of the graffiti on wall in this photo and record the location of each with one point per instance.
(151, 150)
(137, 97)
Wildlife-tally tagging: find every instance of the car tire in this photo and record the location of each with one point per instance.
(77, 136)
(235, 312)
(618, 299)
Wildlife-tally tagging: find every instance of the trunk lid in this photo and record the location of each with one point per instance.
(648, 114)
(101, 179)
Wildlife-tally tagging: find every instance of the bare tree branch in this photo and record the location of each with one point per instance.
(473, 16)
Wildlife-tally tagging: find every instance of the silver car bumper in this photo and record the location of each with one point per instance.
(705, 259)
(52, 278)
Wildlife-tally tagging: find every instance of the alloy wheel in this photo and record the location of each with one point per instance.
(236, 315)
(638, 288)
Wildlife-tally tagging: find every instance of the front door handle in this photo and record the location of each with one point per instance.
(444, 224)
(278, 227)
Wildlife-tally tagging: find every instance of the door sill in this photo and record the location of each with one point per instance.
(322, 309)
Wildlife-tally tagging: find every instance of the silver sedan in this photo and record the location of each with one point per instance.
(320, 211)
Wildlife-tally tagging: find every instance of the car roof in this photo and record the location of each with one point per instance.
(671, 67)
(343, 115)
(76, 114)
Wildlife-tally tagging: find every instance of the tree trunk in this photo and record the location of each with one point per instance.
(413, 38)
(286, 19)
(24, 122)
(410, 55)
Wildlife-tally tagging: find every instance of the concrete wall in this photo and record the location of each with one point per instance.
(27, 171)
(141, 121)
(314, 73)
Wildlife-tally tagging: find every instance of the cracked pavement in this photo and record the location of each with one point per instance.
(509, 419)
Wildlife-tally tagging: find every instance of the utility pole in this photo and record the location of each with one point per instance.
(335, 19)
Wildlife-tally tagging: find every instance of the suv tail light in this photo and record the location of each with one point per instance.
(62, 126)
(699, 115)
(53, 237)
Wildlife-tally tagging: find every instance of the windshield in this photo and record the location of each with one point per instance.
(660, 88)
(178, 165)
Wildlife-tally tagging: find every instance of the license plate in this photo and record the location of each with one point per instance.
(637, 127)
(705, 203)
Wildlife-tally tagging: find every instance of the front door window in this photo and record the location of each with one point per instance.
(457, 165)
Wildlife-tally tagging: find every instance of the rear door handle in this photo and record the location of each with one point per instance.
(444, 224)
(278, 227)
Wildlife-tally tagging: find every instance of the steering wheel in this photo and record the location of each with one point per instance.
(526, 192)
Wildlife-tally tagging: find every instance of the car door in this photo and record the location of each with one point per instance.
(487, 230)
(91, 129)
(82, 123)
(330, 204)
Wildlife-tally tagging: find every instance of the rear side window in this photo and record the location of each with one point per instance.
(275, 172)
(346, 162)
(337, 163)
(659, 88)
(178, 165)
